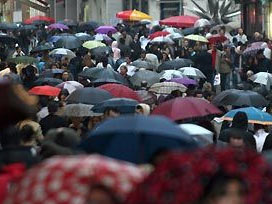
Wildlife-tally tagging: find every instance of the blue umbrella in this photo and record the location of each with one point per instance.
(255, 116)
(124, 105)
(136, 138)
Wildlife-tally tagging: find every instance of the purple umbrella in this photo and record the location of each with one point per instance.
(253, 48)
(185, 81)
(105, 29)
(59, 26)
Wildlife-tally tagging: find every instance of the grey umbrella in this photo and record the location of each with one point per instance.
(144, 64)
(79, 110)
(175, 64)
(68, 42)
(145, 75)
(89, 96)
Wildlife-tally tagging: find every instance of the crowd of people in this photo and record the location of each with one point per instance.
(35, 128)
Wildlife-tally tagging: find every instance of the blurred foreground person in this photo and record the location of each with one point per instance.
(209, 176)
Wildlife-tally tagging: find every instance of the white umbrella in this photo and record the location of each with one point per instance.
(170, 74)
(192, 72)
(71, 86)
(152, 58)
(167, 87)
(62, 51)
(172, 30)
(200, 134)
(79, 110)
(162, 39)
(202, 23)
(262, 78)
(176, 36)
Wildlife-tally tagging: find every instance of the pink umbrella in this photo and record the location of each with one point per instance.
(253, 48)
(105, 29)
(180, 21)
(59, 26)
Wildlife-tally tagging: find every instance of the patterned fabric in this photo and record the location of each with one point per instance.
(64, 180)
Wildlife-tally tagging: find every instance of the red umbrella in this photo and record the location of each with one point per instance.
(186, 108)
(180, 21)
(120, 91)
(158, 34)
(40, 18)
(217, 39)
(45, 91)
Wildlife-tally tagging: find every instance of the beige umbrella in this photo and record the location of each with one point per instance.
(167, 87)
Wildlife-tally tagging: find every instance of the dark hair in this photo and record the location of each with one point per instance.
(113, 109)
(12, 67)
(53, 107)
(122, 41)
(10, 137)
(240, 120)
(27, 133)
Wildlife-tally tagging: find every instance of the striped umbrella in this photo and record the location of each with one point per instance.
(133, 15)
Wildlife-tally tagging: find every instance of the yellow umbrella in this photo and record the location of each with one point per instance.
(133, 15)
(198, 38)
(91, 44)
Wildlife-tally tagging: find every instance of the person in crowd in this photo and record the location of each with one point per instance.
(18, 52)
(142, 109)
(135, 48)
(225, 68)
(116, 51)
(130, 68)
(241, 37)
(111, 113)
(263, 64)
(144, 40)
(263, 140)
(238, 64)
(52, 121)
(126, 37)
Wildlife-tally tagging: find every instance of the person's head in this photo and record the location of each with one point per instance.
(12, 67)
(63, 95)
(208, 95)
(87, 61)
(165, 56)
(269, 108)
(143, 54)
(27, 136)
(249, 74)
(110, 34)
(142, 109)
(104, 61)
(100, 194)
(111, 113)
(236, 139)
(65, 76)
(18, 49)
(240, 121)
(53, 107)
(185, 43)
(123, 70)
(240, 31)
(199, 93)
(122, 41)
(128, 59)
(144, 84)
(136, 37)
(222, 30)
(124, 33)
(227, 48)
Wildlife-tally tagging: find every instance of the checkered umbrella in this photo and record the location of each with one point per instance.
(167, 87)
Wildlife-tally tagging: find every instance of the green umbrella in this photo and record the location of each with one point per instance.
(93, 44)
(23, 60)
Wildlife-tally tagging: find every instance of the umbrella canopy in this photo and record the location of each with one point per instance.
(217, 39)
(68, 42)
(99, 75)
(189, 31)
(255, 116)
(58, 26)
(147, 97)
(64, 52)
(120, 91)
(9, 26)
(45, 19)
(28, 27)
(144, 64)
(158, 34)
(137, 139)
(175, 64)
(133, 15)
(172, 30)
(79, 110)
(6, 39)
(23, 60)
(93, 44)
(253, 48)
(68, 22)
(87, 26)
(71, 86)
(180, 21)
(191, 108)
(170, 74)
(185, 81)
(101, 51)
(144, 75)
(84, 36)
(89, 96)
(52, 72)
(43, 47)
(202, 136)
(162, 39)
(240, 98)
(202, 23)
(69, 180)
(192, 72)
(102, 37)
(176, 36)
(105, 29)
(124, 105)
(197, 38)
(153, 59)
(167, 87)
(262, 78)
(47, 81)
(45, 91)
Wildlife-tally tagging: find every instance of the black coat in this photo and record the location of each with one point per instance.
(264, 65)
(135, 50)
(267, 143)
(52, 122)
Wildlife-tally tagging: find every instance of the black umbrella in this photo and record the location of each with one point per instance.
(101, 51)
(43, 47)
(28, 27)
(100, 75)
(124, 105)
(91, 96)
(175, 64)
(87, 26)
(240, 98)
(68, 42)
(9, 26)
(4, 38)
(144, 64)
(189, 31)
(84, 36)
(145, 75)
(68, 22)
(47, 81)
